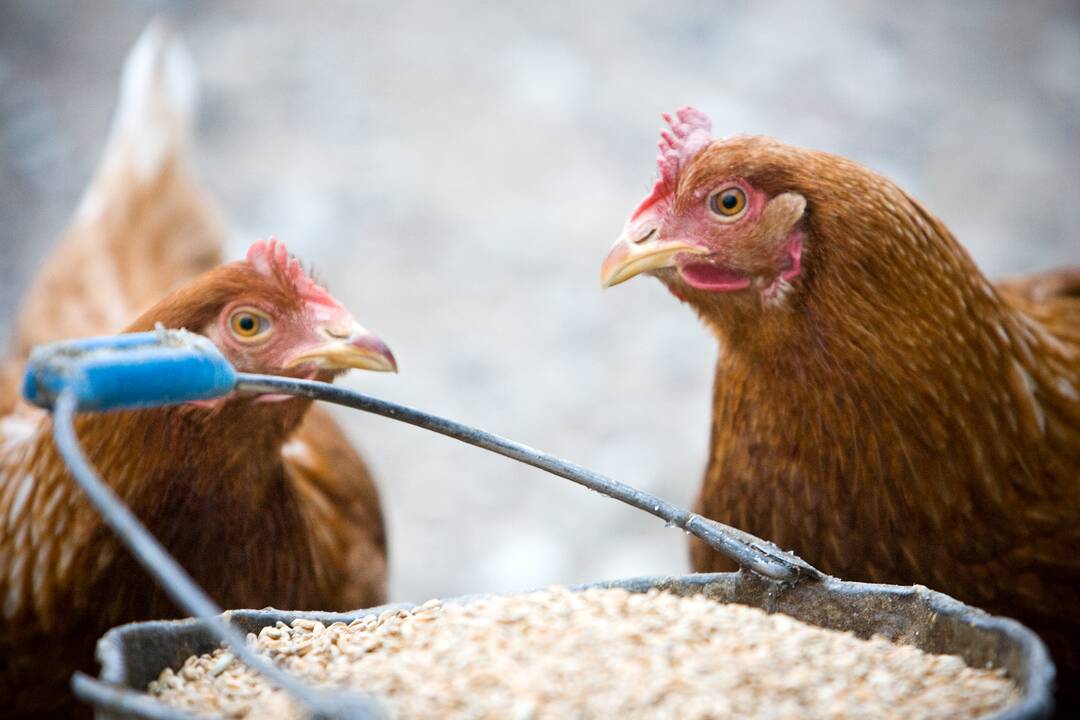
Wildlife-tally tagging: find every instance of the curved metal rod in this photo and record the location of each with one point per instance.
(178, 584)
(747, 550)
(124, 701)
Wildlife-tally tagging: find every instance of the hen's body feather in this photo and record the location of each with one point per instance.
(286, 516)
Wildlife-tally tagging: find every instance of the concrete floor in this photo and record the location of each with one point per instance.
(457, 172)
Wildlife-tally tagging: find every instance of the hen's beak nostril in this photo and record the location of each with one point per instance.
(646, 236)
(338, 333)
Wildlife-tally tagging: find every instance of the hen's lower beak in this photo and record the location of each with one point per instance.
(355, 349)
(630, 257)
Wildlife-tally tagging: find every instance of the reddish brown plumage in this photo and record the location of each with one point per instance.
(265, 504)
(889, 414)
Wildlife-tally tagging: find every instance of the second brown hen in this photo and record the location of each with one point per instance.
(146, 227)
(260, 501)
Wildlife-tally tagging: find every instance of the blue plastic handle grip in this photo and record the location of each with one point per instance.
(124, 372)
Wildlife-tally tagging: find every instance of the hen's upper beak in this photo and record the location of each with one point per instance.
(352, 348)
(641, 249)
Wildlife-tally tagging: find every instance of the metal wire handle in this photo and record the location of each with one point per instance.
(748, 551)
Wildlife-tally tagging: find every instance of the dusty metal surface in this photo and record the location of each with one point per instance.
(133, 655)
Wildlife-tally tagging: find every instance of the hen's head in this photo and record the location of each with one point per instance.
(718, 220)
(747, 228)
(267, 315)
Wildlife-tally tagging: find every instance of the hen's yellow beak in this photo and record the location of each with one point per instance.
(348, 349)
(630, 257)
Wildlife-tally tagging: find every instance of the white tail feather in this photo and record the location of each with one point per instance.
(144, 226)
(158, 100)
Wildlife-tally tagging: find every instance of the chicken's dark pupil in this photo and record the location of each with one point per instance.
(730, 201)
(247, 323)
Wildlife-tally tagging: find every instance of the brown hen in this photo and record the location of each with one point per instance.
(879, 407)
(261, 501)
(266, 506)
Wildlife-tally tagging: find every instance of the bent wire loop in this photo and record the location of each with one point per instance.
(164, 367)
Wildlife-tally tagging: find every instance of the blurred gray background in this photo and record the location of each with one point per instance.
(457, 171)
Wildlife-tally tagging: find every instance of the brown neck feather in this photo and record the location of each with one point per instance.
(231, 451)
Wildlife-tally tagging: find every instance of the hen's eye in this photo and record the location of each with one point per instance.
(249, 324)
(728, 203)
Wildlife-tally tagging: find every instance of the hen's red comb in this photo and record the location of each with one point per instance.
(271, 258)
(690, 133)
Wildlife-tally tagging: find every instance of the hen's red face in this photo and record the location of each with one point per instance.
(713, 231)
(286, 324)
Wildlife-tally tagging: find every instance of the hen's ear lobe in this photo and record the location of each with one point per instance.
(791, 204)
(780, 216)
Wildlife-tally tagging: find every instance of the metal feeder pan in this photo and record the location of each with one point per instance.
(133, 655)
